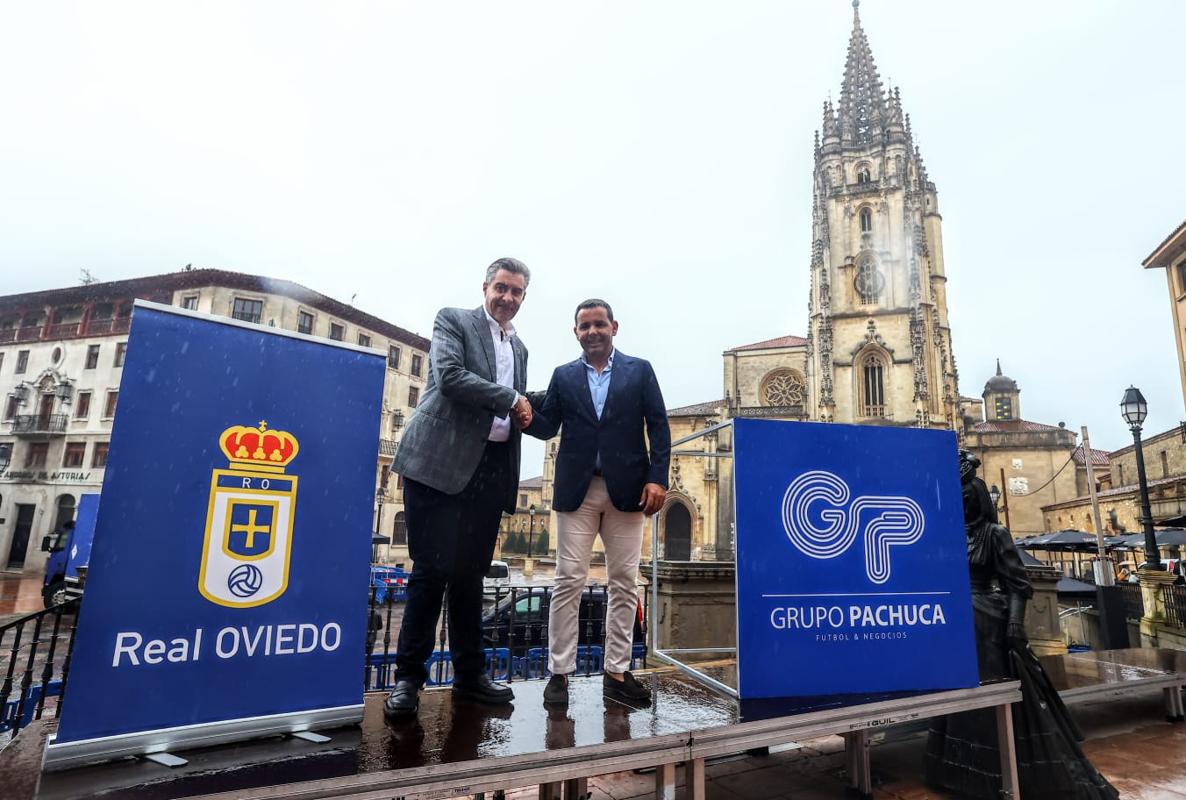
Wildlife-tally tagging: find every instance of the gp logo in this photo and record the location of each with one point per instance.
(822, 523)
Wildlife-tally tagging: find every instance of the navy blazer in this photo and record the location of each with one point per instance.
(634, 400)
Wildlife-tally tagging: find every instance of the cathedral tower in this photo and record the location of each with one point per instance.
(879, 342)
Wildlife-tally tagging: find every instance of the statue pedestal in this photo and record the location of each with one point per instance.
(1151, 582)
(697, 603)
(1041, 614)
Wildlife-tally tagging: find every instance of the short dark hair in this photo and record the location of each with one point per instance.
(593, 302)
(511, 265)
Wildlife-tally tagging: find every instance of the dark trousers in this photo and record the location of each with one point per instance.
(451, 540)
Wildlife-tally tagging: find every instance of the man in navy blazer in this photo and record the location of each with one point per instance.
(611, 472)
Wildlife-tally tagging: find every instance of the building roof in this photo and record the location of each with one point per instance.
(709, 409)
(1131, 488)
(1169, 249)
(772, 344)
(1099, 458)
(156, 287)
(1013, 426)
(532, 483)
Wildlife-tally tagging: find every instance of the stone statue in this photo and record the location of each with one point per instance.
(962, 755)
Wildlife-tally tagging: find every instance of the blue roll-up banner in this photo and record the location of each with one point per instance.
(852, 566)
(227, 589)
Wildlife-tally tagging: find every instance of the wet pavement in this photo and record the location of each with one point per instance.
(19, 595)
(1129, 740)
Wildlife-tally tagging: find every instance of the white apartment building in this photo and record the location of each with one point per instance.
(61, 359)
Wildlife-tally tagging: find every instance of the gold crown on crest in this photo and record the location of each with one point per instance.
(258, 448)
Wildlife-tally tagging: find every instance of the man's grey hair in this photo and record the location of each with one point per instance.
(593, 302)
(511, 265)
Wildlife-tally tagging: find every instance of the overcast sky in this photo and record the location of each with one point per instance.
(656, 154)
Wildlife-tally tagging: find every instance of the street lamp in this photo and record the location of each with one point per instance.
(380, 497)
(528, 564)
(397, 421)
(1134, 409)
(5, 456)
(995, 494)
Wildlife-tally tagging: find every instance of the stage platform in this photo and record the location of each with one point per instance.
(1095, 674)
(458, 749)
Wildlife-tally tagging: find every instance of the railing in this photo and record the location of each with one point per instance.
(64, 330)
(7, 335)
(514, 630)
(29, 333)
(1174, 598)
(387, 448)
(35, 655)
(38, 423)
(1134, 604)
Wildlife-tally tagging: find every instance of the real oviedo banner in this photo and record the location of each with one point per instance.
(852, 572)
(228, 576)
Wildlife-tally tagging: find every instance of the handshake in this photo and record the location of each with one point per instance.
(521, 413)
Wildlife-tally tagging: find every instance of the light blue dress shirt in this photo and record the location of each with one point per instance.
(599, 384)
(599, 389)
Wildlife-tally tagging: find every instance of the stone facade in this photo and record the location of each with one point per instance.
(61, 360)
(879, 349)
(1170, 255)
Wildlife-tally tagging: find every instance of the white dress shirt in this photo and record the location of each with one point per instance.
(504, 365)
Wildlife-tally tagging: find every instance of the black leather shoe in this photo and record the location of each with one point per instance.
(556, 692)
(404, 700)
(483, 690)
(627, 690)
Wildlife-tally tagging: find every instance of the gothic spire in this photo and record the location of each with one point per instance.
(862, 107)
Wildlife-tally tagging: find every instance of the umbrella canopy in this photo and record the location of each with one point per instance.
(1170, 537)
(1061, 540)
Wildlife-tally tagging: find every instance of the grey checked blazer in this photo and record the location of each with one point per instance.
(444, 439)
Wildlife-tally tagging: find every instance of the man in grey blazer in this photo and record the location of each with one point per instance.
(459, 458)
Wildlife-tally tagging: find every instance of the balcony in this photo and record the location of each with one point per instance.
(29, 333)
(39, 424)
(387, 448)
(772, 412)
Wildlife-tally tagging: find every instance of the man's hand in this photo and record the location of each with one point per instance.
(521, 413)
(652, 498)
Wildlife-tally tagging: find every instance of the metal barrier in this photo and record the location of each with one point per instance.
(35, 655)
(515, 632)
(1134, 603)
(1174, 598)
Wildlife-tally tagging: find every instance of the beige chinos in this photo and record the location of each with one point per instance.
(621, 536)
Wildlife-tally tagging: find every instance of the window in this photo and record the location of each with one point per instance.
(247, 310)
(364, 340)
(190, 301)
(99, 455)
(36, 454)
(393, 357)
(65, 513)
(1165, 465)
(863, 174)
(783, 387)
(1, 361)
(92, 356)
(304, 322)
(1182, 278)
(11, 406)
(417, 363)
(866, 220)
(121, 349)
(413, 396)
(109, 407)
(1120, 474)
(337, 332)
(22, 362)
(869, 283)
(384, 475)
(873, 388)
(74, 454)
(82, 405)
(522, 500)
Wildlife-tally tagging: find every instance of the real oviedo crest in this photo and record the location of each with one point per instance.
(248, 542)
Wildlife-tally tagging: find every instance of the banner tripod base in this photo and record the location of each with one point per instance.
(310, 736)
(165, 759)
